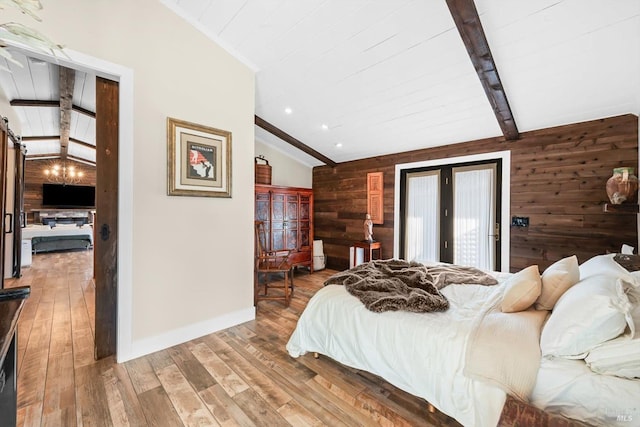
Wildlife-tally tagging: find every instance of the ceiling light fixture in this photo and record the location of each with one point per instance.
(325, 127)
(63, 174)
(288, 110)
(339, 145)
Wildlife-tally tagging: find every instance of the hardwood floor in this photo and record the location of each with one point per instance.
(241, 376)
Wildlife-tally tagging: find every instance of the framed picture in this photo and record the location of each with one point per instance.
(199, 160)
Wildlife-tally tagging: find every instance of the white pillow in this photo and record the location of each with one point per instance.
(521, 290)
(605, 264)
(38, 227)
(74, 225)
(556, 279)
(593, 311)
(620, 356)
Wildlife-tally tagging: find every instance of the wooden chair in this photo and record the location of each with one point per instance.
(268, 262)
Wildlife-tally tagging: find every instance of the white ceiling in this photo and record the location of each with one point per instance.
(387, 76)
(393, 75)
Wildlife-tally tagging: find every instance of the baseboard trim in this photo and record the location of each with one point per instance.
(178, 336)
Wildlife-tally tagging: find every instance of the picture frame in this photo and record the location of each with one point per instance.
(198, 160)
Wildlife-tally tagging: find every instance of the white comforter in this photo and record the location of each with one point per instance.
(421, 353)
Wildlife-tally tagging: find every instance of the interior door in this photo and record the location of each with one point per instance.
(106, 224)
(19, 216)
(4, 143)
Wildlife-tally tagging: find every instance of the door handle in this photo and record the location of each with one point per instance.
(9, 229)
(104, 232)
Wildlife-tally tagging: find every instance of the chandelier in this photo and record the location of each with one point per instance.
(63, 174)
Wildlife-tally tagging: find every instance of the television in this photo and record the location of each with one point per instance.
(68, 196)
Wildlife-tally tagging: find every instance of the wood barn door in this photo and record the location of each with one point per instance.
(19, 215)
(4, 144)
(106, 221)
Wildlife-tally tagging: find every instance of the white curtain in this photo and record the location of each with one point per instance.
(422, 232)
(474, 216)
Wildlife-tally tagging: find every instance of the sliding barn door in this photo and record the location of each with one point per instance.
(19, 216)
(106, 222)
(4, 146)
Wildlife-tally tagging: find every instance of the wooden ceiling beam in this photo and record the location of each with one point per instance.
(293, 141)
(84, 144)
(56, 137)
(33, 103)
(465, 15)
(39, 103)
(81, 160)
(40, 138)
(43, 156)
(67, 80)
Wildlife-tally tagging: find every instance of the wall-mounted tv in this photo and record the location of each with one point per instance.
(68, 196)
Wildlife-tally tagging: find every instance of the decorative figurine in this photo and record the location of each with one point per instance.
(368, 229)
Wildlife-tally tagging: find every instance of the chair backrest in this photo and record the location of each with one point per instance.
(261, 238)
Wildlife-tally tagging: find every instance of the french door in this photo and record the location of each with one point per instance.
(452, 214)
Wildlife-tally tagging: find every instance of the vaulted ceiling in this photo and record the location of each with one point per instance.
(369, 77)
(351, 79)
(55, 106)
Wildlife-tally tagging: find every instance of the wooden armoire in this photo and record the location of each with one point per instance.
(287, 213)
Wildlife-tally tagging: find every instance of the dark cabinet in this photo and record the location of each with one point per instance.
(287, 213)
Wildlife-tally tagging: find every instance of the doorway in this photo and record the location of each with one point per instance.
(451, 213)
(106, 249)
(503, 194)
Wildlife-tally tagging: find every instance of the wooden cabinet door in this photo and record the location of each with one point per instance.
(278, 215)
(304, 224)
(291, 225)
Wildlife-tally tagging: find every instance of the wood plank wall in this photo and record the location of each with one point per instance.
(558, 178)
(34, 178)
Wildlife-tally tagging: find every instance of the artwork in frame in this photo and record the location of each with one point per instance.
(199, 160)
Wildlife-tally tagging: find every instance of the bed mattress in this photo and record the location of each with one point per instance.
(420, 353)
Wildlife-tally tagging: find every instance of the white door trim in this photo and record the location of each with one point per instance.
(505, 156)
(124, 76)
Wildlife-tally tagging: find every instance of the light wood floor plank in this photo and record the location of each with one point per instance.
(224, 408)
(158, 409)
(142, 375)
(192, 369)
(188, 405)
(251, 374)
(225, 376)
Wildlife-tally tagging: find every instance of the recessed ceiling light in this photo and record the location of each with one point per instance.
(325, 127)
(288, 110)
(339, 145)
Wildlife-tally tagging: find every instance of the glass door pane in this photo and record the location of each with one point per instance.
(474, 221)
(422, 231)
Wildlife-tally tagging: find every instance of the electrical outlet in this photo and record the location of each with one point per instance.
(520, 221)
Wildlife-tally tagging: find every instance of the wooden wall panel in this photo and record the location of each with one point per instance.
(558, 178)
(34, 178)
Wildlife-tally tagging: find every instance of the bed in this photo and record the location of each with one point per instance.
(61, 237)
(434, 355)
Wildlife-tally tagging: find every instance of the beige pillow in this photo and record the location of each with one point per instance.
(521, 290)
(556, 279)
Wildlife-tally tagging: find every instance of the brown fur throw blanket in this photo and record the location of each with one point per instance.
(390, 285)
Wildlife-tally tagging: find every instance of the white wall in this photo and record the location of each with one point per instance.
(191, 257)
(284, 169)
